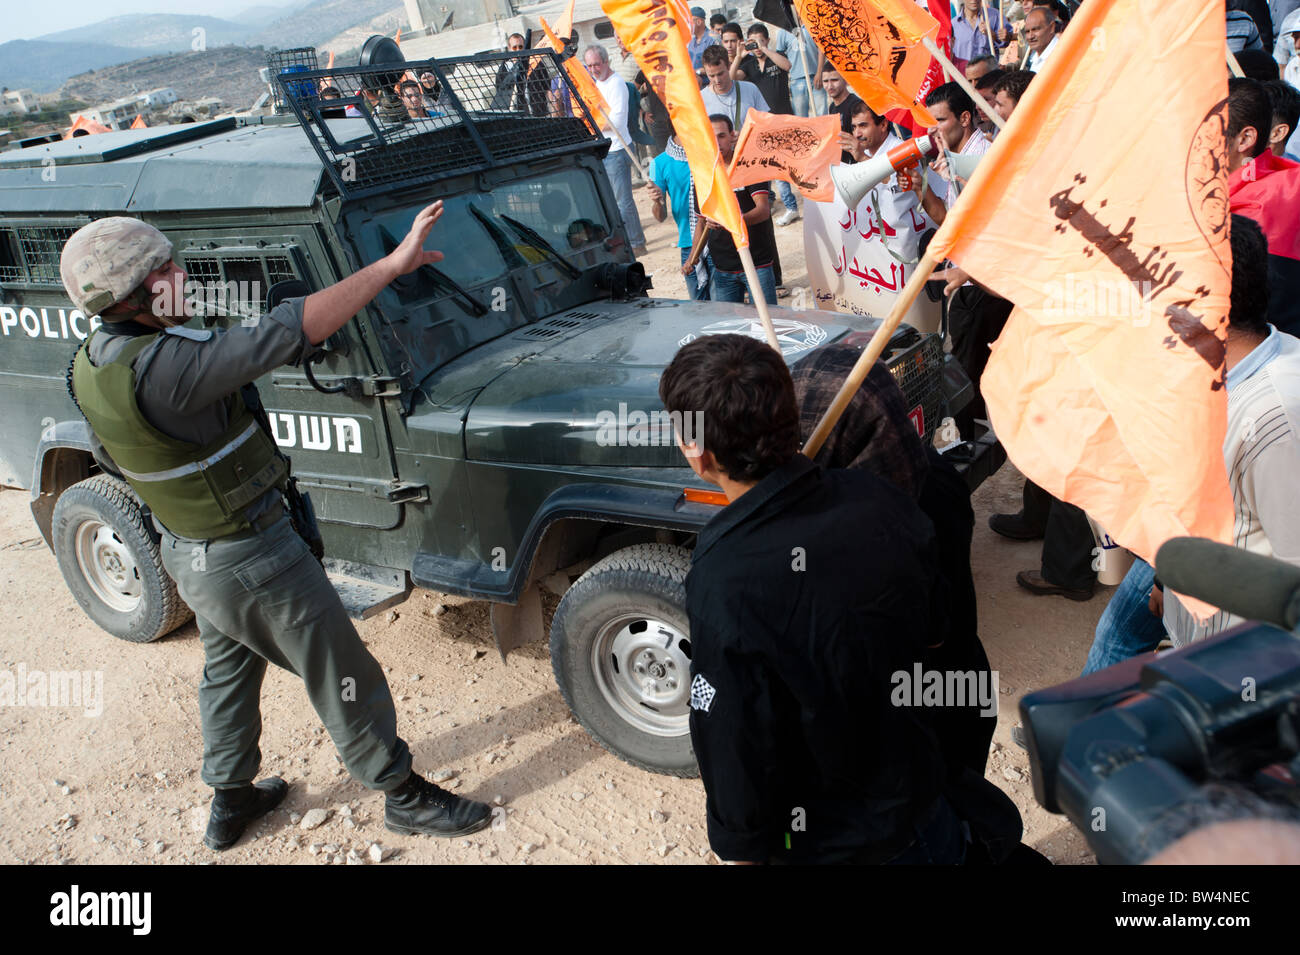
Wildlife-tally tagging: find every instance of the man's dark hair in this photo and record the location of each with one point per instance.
(715, 55)
(954, 97)
(990, 79)
(864, 108)
(721, 117)
(992, 61)
(1014, 83)
(1248, 304)
(716, 19)
(410, 84)
(735, 28)
(742, 390)
(758, 28)
(522, 38)
(1286, 103)
(1258, 65)
(1249, 106)
(829, 67)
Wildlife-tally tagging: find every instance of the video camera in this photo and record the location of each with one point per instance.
(1130, 751)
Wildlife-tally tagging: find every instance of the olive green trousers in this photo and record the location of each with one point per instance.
(262, 597)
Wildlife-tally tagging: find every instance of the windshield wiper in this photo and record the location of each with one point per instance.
(438, 278)
(503, 243)
(534, 239)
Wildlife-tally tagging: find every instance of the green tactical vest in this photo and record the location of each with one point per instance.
(196, 491)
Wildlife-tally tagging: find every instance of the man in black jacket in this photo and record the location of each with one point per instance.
(808, 597)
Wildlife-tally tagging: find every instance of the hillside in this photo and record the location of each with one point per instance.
(227, 72)
(155, 32)
(42, 66)
(323, 20)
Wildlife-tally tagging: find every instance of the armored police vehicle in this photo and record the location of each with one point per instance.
(483, 424)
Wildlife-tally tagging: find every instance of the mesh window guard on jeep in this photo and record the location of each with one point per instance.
(489, 110)
(29, 254)
(234, 282)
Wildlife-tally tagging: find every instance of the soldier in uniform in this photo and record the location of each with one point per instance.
(165, 402)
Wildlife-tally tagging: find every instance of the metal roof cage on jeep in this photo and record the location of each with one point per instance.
(472, 124)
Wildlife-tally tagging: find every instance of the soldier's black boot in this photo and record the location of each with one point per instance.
(234, 809)
(418, 806)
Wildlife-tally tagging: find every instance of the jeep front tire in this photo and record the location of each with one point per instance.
(111, 562)
(620, 648)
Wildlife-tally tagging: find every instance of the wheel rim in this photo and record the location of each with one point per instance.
(108, 566)
(643, 668)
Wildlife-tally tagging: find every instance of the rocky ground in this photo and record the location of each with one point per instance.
(123, 786)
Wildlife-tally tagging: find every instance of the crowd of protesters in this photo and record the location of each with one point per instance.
(784, 717)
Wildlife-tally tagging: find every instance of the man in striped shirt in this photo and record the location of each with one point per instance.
(1262, 446)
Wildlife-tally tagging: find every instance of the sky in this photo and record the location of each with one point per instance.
(41, 18)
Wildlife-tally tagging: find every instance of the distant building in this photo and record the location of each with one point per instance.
(157, 99)
(20, 101)
(119, 114)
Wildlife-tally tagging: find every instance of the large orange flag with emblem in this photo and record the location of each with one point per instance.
(650, 31)
(877, 47)
(1106, 223)
(794, 148)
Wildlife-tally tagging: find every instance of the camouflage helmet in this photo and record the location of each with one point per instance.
(107, 260)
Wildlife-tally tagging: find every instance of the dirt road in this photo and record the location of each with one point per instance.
(123, 785)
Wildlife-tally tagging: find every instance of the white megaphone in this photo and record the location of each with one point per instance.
(853, 182)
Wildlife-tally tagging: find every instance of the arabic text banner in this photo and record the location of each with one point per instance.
(849, 267)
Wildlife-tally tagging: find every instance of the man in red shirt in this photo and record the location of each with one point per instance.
(1266, 188)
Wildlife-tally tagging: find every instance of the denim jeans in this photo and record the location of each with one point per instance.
(787, 194)
(731, 286)
(1127, 627)
(693, 289)
(799, 97)
(618, 166)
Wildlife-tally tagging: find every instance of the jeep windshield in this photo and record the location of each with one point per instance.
(476, 236)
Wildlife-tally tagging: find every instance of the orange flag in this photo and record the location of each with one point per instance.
(648, 28)
(876, 46)
(564, 25)
(1107, 224)
(581, 79)
(87, 126)
(798, 150)
(139, 122)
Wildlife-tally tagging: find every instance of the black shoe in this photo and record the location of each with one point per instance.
(1018, 737)
(234, 809)
(1036, 583)
(418, 806)
(1014, 527)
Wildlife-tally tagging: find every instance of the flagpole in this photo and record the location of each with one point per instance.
(988, 28)
(951, 69)
(869, 356)
(756, 293)
(803, 60)
(626, 148)
(1233, 65)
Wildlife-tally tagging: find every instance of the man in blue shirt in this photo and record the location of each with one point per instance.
(670, 177)
(970, 37)
(701, 38)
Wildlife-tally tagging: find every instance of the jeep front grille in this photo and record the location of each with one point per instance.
(918, 370)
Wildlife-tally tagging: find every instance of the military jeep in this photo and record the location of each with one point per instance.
(484, 424)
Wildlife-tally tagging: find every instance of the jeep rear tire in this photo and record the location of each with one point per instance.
(111, 562)
(620, 648)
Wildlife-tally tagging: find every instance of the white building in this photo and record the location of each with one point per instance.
(119, 114)
(157, 99)
(22, 101)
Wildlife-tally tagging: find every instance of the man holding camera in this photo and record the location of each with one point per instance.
(166, 401)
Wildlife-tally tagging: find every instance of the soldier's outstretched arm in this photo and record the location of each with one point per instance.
(326, 311)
